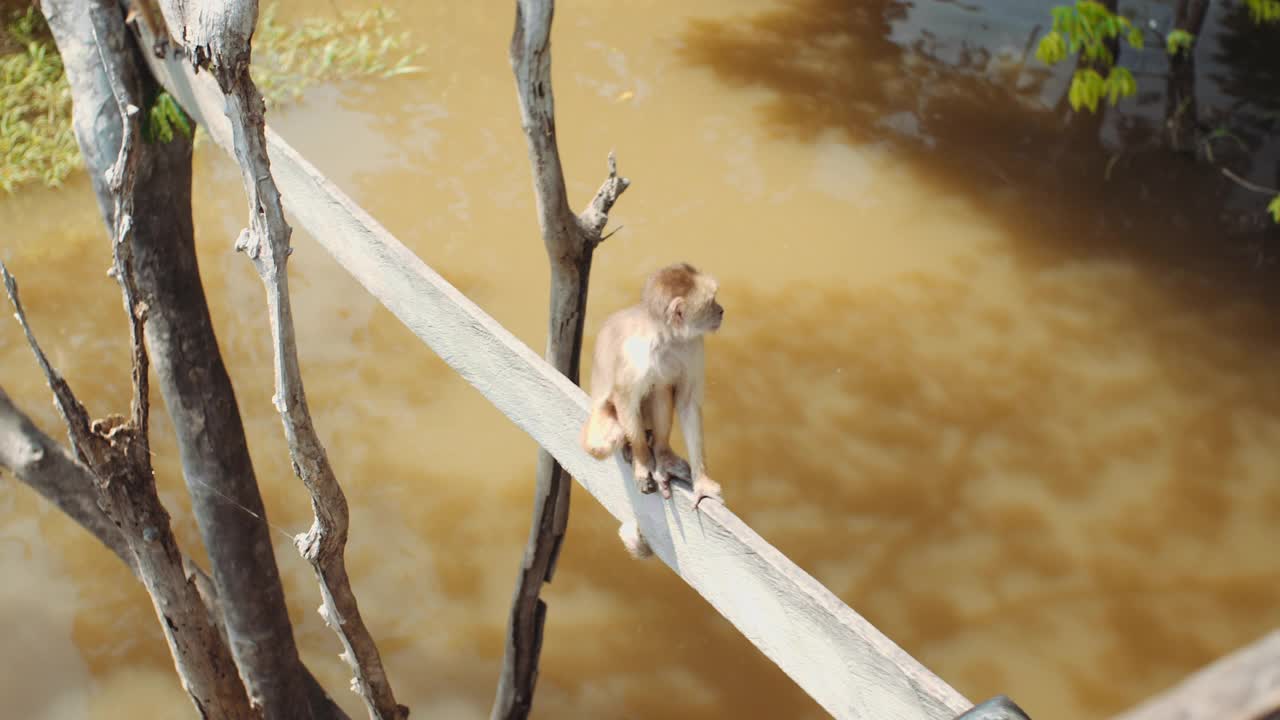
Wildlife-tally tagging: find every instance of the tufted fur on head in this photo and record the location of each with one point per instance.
(683, 299)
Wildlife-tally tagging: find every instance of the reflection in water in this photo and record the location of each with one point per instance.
(1008, 410)
(977, 121)
(1014, 457)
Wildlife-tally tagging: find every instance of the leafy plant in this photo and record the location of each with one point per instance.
(1264, 10)
(1086, 29)
(36, 140)
(162, 117)
(1088, 87)
(1178, 41)
(38, 145)
(289, 59)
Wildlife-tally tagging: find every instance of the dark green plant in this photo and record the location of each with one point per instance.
(1263, 11)
(162, 117)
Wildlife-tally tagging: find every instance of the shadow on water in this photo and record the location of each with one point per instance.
(1061, 479)
(977, 122)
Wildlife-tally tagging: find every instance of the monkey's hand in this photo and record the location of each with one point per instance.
(704, 487)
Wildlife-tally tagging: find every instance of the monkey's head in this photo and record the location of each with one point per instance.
(684, 300)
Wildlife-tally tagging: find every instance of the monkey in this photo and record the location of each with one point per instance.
(648, 365)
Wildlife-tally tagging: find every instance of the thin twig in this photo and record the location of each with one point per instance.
(1247, 185)
(570, 241)
(596, 215)
(116, 452)
(266, 243)
(121, 470)
(121, 178)
(611, 233)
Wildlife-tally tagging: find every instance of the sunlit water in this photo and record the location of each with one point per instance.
(1021, 416)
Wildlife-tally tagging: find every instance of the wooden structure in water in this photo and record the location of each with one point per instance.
(840, 659)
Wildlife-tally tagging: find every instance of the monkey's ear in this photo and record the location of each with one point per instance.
(675, 312)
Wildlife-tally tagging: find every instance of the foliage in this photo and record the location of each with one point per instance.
(36, 140)
(38, 144)
(1264, 10)
(288, 59)
(1087, 29)
(1178, 41)
(162, 117)
(1088, 87)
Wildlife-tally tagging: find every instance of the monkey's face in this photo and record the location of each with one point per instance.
(684, 300)
(716, 315)
(706, 316)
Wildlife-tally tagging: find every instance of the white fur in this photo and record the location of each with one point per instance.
(634, 541)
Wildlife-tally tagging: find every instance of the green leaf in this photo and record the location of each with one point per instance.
(176, 115)
(1178, 41)
(1264, 11)
(1135, 38)
(1061, 16)
(1087, 88)
(1052, 48)
(1120, 83)
(1273, 207)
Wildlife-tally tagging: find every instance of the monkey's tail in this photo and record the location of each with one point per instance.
(602, 435)
(635, 543)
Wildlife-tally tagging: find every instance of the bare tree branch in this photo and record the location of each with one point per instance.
(39, 462)
(1247, 185)
(226, 502)
(570, 241)
(217, 39)
(116, 451)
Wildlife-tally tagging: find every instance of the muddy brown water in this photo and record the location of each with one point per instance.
(1021, 414)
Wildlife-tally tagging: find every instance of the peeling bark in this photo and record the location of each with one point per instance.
(39, 462)
(117, 451)
(216, 37)
(197, 390)
(570, 241)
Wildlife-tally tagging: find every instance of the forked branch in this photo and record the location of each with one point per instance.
(218, 41)
(116, 450)
(570, 241)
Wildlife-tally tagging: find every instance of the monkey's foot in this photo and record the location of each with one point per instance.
(644, 479)
(664, 483)
(704, 487)
(674, 466)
